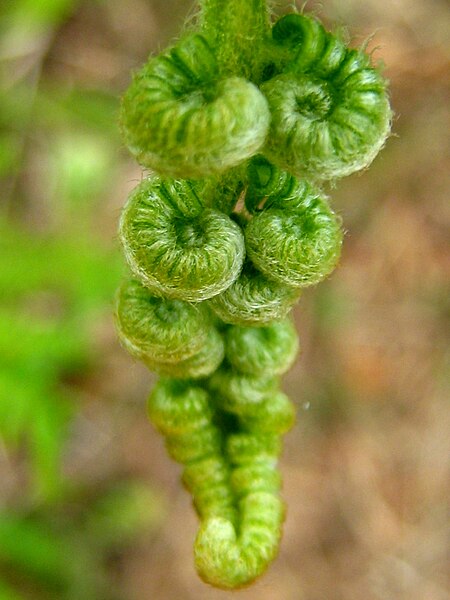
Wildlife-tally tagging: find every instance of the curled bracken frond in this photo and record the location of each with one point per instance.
(181, 120)
(253, 299)
(265, 182)
(158, 328)
(237, 392)
(235, 492)
(330, 108)
(229, 560)
(295, 240)
(192, 253)
(269, 350)
(201, 364)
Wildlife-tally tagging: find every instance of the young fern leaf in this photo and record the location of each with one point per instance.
(330, 110)
(215, 281)
(181, 410)
(160, 328)
(296, 239)
(175, 245)
(269, 350)
(181, 120)
(254, 299)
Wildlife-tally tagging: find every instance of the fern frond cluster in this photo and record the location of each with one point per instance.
(242, 121)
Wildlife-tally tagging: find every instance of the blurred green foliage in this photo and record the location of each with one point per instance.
(58, 141)
(54, 283)
(39, 12)
(52, 291)
(57, 555)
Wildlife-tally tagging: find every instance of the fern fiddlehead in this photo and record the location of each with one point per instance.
(329, 107)
(241, 120)
(175, 245)
(296, 238)
(180, 120)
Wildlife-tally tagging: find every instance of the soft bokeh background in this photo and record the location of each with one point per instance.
(91, 508)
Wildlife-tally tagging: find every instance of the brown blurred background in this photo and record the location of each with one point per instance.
(366, 469)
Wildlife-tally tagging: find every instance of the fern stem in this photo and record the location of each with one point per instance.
(238, 29)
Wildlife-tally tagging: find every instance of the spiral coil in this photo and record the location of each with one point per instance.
(296, 239)
(221, 242)
(178, 119)
(329, 106)
(175, 245)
